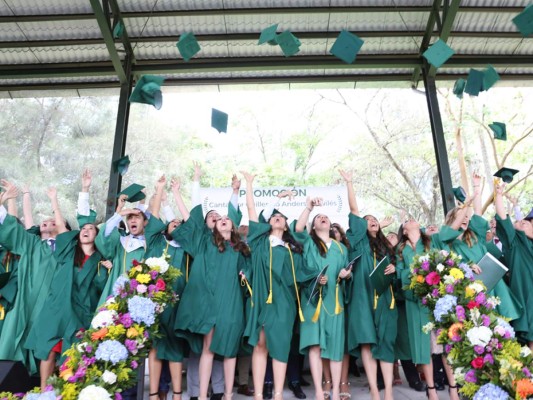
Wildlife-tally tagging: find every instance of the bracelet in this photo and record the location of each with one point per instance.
(25, 192)
(310, 209)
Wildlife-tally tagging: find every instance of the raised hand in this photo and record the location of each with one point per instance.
(346, 175)
(86, 180)
(197, 171)
(500, 188)
(10, 191)
(175, 184)
(249, 178)
(386, 222)
(235, 183)
(286, 193)
(121, 202)
(317, 201)
(161, 182)
(476, 182)
(51, 192)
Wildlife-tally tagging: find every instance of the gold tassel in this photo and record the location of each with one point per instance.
(393, 301)
(187, 269)
(318, 307)
(302, 319)
(338, 308)
(2, 312)
(269, 299)
(376, 297)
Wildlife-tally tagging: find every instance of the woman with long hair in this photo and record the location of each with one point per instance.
(372, 318)
(322, 331)
(276, 262)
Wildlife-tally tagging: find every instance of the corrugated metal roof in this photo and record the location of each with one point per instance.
(67, 41)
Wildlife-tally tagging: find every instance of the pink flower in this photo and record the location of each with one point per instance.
(160, 285)
(477, 362)
(142, 288)
(433, 278)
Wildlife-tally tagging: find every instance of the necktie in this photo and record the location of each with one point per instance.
(52, 244)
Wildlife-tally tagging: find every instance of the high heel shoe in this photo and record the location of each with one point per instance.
(326, 391)
(453, 387)
(428, 388)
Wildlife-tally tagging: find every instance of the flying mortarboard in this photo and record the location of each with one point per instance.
(134, 192)
(459, 193)
(490, 77)
(289, 43)
(118, 30)
(438, 53)
(529, 216)
(86, 219)
(121, 165)
(474, 82)
(188, 46)
(346, 46)
(268, 35)
(499, 130)
(459, 87)
(524, 21)
(506, 174)
(219, 120)
(148, 91)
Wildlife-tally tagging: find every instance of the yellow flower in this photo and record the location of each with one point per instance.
(132, 332)
(112, 306)
(69, 391)
(66, 373)
(457, 273)
(116, 331)
(143, 278)
(469, 292)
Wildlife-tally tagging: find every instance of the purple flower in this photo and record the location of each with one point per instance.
(479, 349)
(488, 359)
(88, 360)
(89, 349)
(424, 301)
(134, 364)
(153, 274)
(415, 271)
(470, 376)
(435, 293)
(460, 311)
(486, 320)
(450, 262)
(118, 396)
(481, 298)
(134, 283)
(425, 265)
(526, 372)
(131, 345)
(449, 288)
(151, 289)
(448, 348)
(125, 319)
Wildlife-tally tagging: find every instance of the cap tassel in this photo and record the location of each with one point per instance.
(302, 319)
(269, 299)
(393, 301)
(2, 312)
(338, 308)
(376, 297)
(318, 307)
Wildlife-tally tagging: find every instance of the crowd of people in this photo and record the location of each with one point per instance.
(270, 291)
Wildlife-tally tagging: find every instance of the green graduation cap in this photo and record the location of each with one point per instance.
(499, 129)
(459, 193)
(459, 87)
(506, 174)
(118, 30)
(188, 46)
(524, 21)
(148, 91)
(219, 120)
(276, 211)
(290, 44)
(438, 53)
(86, 219)
(268, 35)
(474, 82)
(346, 46)
(529, 217)
(490, 77)
(121, 165)
(134, 192)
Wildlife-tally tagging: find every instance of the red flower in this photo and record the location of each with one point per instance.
(477, 362)
(433, 278)
(135, 263)
(472, 304)
(160, 285)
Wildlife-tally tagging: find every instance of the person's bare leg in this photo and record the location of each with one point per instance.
(175, 376)
(46, 368)
(345, 379)
(229, 376)
(428, 372)
(206, 365)
(336, 371)
(315, 364)
(371, 370)
(387, 369)
(327, 378)
(259, 364)
(279, 370)
(453, 390)
(154, 372)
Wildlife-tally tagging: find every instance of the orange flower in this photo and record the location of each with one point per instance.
(524, 388)
(66, 373)
(419, 279)
(132, 332)
(455, 331)
(100, 334)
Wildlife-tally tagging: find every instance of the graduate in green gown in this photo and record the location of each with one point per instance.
(212, 305)
(372, 317)
(517, 244)
(322, 332)
(74, 291)
(276, 262)
(168, 347)
(35, 271)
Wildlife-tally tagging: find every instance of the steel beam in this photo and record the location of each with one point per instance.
(439, 143)
(447, 24)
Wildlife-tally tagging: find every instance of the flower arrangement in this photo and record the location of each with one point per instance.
(480, 345)
(107, 355)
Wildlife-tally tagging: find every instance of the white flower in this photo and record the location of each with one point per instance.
(81, 347)
(459, 375)
(159, 264)
(444, 253)
(476, 286)
(493, 301)
(440, 267)
(448, 280)
(103, 318)
(93, 392)
(479, 335)
(525, 351)
(428, 327)
(110, 300)
(423, 258)
(109, 377)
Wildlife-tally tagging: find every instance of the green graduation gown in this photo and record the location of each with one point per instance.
(8, 292)
(212, 298)
(328, 332)
(72, 298)
(112, 249)
(510, 306)
(35, 271)
(369, 321)
(169, 347)
(277, 317)
(518, 249)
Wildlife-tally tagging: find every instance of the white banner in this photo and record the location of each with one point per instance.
(335, 202)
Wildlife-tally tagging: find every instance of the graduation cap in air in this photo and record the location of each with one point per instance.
(134, 192)
(459, 193)
(459, 87)
(118, 30)
(524, 21)
(506, 174)
(438, 53)
(499, 130)
(268, 35)
(86, 219)
(219, 120)
(148, 91)
(529, 216)
(490, 77)
(346, 46)
(121, 165)
(290, 44)
(474, 82)
(188, 46)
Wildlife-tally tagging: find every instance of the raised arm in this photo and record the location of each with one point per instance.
(195, 193)
(476, 181)
(10, 192)
(461, 213)
(352, 202)
(12, 207)
(516, 209)
(498, 200)
(60, 221)
(250, 203)
(175, 185)
(84, 207)
(310, 203)
(27, 211)
(159, 189)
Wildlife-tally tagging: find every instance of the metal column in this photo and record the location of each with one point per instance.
(439, 144)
